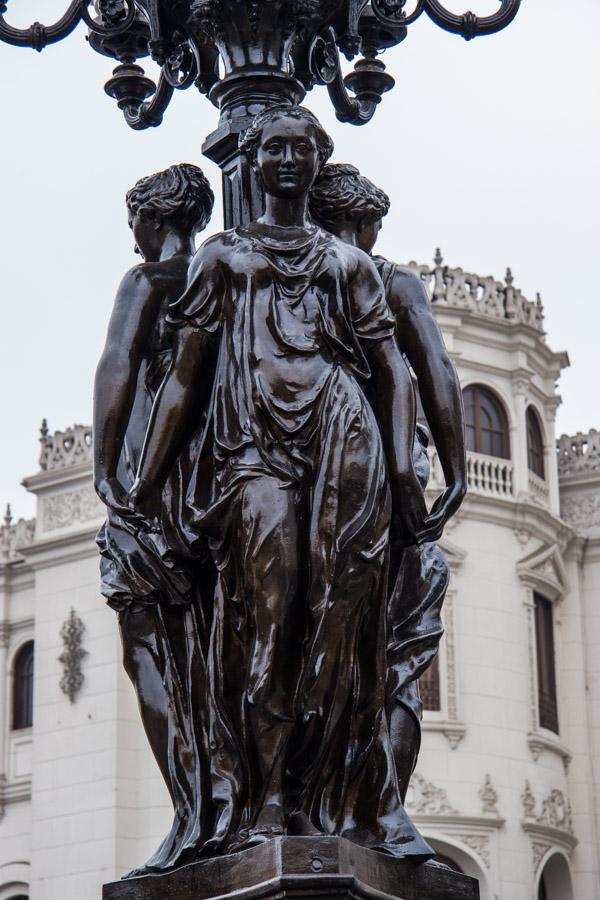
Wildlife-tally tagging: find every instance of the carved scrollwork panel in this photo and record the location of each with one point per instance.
(72, 656)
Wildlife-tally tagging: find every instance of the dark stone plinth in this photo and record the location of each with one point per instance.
(285, 867)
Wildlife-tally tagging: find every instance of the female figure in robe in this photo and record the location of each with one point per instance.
(306, 476)
(155, 582)
(350, 206)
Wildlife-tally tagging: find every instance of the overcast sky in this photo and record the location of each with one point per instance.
(488, 149)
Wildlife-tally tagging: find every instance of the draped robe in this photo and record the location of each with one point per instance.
(297, 512)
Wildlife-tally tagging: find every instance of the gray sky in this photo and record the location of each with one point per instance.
(489, 150)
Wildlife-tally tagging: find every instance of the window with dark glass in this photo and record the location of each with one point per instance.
(535, 444)
(485, 423)
(22, 716)
(546, 667)
(429, 687)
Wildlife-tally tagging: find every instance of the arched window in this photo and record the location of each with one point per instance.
(22, 711)
(486, 423)
(535, 443)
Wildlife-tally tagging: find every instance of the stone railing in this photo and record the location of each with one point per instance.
(15, 536)
(579, 454)
(538, 488)
(487, 476)
(479, 294)
(64, 449)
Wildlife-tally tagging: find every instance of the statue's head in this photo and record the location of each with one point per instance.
(345, 203)
(288, 146)
(176, 199)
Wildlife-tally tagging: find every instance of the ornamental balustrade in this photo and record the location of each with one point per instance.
(480, 294)
(487, 476)
(14, 536)
(63, 449)
(578, 454)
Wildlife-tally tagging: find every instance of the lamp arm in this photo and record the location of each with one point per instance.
(325, 66)
(38, 36)
(468, 24)
(150, 114)
(391, 12)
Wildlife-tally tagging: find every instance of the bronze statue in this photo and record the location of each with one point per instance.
(155, 582)
(274, 607)
(281, 327)
(349, 205)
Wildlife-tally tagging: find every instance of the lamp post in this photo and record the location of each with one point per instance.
(246, 55)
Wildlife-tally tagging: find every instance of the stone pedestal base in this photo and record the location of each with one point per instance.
(316, 867)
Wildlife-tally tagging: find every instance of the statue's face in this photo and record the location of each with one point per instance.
(287, 158)
(147, 234)
(366, 234)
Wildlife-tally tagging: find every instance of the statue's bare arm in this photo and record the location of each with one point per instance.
(421, 340)
(179, 403)
(394, 407)
(136, 308)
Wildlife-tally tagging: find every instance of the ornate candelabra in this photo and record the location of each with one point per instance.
(245, 55)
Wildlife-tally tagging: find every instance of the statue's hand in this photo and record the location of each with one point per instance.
(408, 508)
(145, 503)
(113, 495)
(443, 509)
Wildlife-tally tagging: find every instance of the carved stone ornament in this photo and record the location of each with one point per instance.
(480, 844)
(539, 850)
(70, 508)
(582, 512)
(556, 812)
(489, 798)
(579, 454)
(14, 536)
(72, 656)
(528, 802)
(426, 798)
(64, 449)
(479, 294)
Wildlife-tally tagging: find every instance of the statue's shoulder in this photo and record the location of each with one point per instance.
(352, 258)
(215, 251)
(401, 281)
(139, 282)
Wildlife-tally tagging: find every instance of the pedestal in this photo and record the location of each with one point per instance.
(316, 867)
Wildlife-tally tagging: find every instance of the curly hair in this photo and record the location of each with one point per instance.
(341, 194)
(250, 139)
(180, 193)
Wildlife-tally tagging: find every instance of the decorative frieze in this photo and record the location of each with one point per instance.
(72, 656)
(582, 512)
(70, 508)
(479, 294)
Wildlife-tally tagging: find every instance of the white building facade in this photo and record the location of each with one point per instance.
(507, 786)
